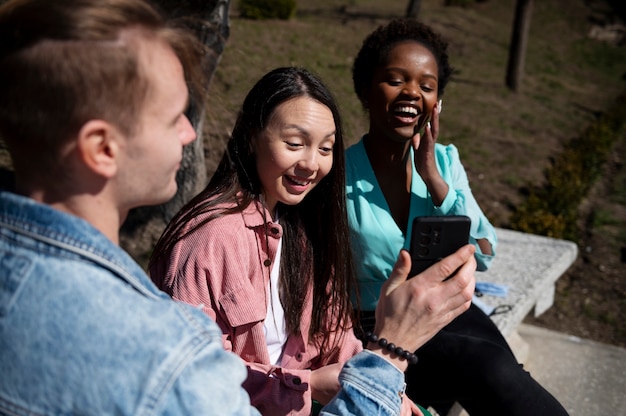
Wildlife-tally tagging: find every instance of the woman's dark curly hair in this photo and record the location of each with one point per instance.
(378, 44)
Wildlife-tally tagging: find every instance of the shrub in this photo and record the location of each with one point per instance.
(552, 209)
(267, 9)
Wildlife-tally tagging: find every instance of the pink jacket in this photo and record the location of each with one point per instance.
(220, 267)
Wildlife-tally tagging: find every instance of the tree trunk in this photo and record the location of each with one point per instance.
(413, 9)
(209, 20)
(519, 40)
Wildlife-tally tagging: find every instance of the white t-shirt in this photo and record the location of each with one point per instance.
(274, 325)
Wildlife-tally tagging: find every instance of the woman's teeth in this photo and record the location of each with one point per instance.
(298, 181)
(407, 110)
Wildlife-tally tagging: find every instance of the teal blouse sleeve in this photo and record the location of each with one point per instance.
(459, 201)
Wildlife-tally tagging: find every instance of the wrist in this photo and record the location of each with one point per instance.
(401, 365)
(438, 190)
(393, 353)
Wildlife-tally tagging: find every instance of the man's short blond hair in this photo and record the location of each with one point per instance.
(65, 62)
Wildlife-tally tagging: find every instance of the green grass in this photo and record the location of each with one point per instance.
(604, 217)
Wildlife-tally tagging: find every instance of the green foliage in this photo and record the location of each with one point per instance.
(552, 209)
(267, 9)
(603, 217)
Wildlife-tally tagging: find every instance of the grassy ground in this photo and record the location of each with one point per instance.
(506, 139)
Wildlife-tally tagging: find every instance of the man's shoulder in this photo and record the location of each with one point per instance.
(26, 216)
(105, 332)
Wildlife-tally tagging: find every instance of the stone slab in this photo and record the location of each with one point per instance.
(529, 265)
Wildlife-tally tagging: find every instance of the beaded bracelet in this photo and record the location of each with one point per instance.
(391, 347)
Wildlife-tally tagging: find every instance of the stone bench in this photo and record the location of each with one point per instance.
(529, 265)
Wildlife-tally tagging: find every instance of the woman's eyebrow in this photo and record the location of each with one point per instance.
(305, 132)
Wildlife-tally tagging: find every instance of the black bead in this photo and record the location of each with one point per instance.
(371, 337)
(391, 347)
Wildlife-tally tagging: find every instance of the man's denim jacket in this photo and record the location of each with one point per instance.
(84, 331)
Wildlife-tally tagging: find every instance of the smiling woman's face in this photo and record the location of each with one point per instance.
(403, 92)
(295, 151)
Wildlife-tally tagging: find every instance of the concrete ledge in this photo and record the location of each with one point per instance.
(529, 265)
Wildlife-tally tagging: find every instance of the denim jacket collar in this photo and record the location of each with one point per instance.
(41, 222)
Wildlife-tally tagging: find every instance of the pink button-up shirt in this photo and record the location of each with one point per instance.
(220, 268)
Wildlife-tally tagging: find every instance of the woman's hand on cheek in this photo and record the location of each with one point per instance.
(424, 146)
(425, 162)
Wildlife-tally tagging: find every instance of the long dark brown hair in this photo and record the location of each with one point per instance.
(316, 244)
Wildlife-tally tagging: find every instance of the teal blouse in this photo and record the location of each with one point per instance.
(376, 238)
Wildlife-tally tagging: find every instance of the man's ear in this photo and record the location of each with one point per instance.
(99, 145)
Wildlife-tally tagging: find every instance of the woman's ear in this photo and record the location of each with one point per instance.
(98, 146)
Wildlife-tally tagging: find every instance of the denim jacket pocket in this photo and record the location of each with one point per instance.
(244, 305)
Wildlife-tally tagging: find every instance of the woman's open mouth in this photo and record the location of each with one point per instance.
(406, 114)
(297, 183)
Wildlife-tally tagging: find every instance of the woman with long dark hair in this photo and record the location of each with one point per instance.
(264, 249)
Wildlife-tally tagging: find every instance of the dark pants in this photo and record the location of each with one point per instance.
(469, 361)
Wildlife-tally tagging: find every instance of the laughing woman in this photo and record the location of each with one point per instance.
(398, 171)
(264, 249)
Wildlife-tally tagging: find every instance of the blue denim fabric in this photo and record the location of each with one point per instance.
(84, 331)
(370, 385)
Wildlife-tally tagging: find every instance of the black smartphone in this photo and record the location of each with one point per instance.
(433, 238)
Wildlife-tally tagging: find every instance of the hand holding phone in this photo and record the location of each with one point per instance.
(433, 238)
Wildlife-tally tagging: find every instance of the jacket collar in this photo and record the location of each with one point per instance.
(43, 223)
